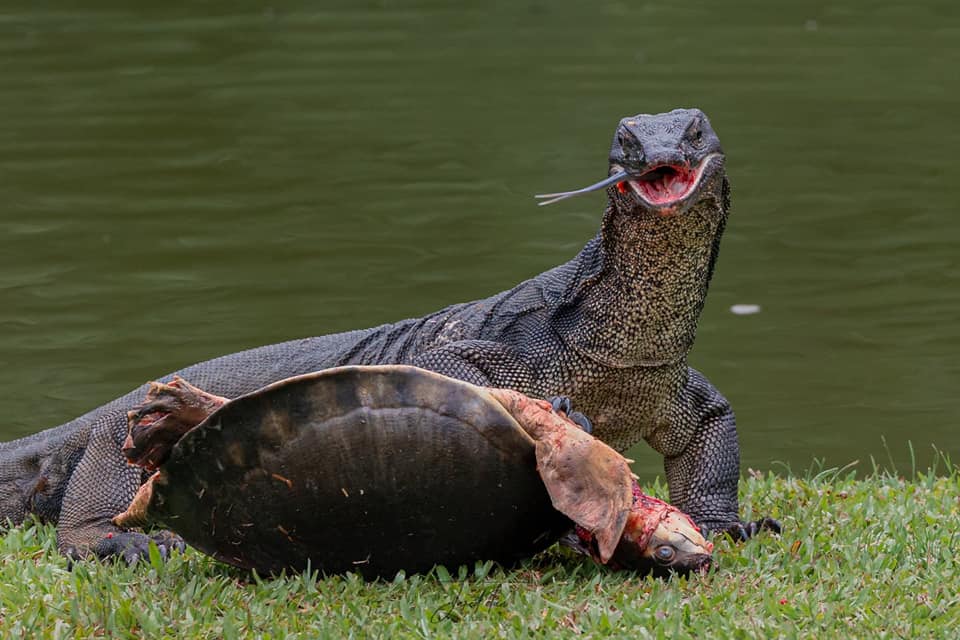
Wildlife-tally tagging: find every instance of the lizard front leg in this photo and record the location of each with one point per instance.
(101, 486)
(702, 460)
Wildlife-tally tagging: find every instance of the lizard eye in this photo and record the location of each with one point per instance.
(664, 554)
(695, 136)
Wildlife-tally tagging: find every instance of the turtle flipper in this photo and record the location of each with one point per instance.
(136, 513)
(168, 412)
(587, 481)
(154, 427)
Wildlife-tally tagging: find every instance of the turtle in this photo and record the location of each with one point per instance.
(378, 469)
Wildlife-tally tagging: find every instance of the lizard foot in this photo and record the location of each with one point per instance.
(563, 405)
(169, 411)
(741, 531)
(132, 545)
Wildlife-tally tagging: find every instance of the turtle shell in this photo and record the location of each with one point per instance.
(363, 469)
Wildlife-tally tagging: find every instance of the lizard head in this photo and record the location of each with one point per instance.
(661, 163)
(666, 161)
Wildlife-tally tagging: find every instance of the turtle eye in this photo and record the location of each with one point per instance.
(664, 554)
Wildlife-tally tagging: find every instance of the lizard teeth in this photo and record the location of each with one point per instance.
(668, 184)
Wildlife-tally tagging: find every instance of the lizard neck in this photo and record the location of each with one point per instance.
(642, 307)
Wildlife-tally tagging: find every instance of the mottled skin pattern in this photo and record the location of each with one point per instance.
(610, 329)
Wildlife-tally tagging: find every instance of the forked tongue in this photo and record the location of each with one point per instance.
(620, 176)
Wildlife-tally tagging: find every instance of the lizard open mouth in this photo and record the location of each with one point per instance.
(661, 186)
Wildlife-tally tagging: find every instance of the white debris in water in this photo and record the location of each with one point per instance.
(745, 309)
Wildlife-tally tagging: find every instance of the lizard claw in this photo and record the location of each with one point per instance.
(131, 546)
(741, 531)
(563, 404)
(763, 524)
(581, 421)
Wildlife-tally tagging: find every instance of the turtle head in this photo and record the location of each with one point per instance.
(662, 540)
(657, 538)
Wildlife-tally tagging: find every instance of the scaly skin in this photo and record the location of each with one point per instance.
(610, 329)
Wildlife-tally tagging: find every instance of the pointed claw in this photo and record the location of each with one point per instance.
(131, 546)
(561, 404)
(582, 421)
(741, 531)
(769, 524)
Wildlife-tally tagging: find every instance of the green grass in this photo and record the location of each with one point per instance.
(875, 557)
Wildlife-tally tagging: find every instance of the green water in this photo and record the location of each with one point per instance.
(180, 183)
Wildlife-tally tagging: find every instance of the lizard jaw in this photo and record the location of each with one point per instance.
(665, 187)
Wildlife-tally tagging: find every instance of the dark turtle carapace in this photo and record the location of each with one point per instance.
(383, 468)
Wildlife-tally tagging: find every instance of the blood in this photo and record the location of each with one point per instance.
(585, 536)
